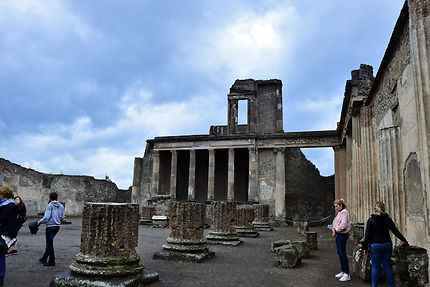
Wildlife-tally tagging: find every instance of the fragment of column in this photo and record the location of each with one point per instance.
(107, 254)
(261, 221)
(147, 211)
(245, 217)
(222, 230)
(186, 241)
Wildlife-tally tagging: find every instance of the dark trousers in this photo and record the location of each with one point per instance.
(49, 249)
(2, 264)
(341, 251)
(381, 253)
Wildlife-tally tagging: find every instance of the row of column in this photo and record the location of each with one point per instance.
(252, 178)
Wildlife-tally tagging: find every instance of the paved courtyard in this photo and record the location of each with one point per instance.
(250, 264)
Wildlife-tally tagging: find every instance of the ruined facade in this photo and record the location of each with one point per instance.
(246, 163)
(384, 130)
(73, 190)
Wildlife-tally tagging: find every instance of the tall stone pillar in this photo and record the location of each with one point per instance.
(279, 195)
(340, 172)
(211, 175)
(252, 177)
(223, 220)
(173, 174)
(192, 176)
(186, 241)
(107, 254)
(155, 172)
(230, 175)
(419, 29)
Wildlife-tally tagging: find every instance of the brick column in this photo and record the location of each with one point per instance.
(211, 175)
(252, 178)
(186, 241)
(173, 173)
(192, 176)
(230, 177)
(245, 217)
(223, 219)
(108, 248)
(155, 172)
(279, 195)
(261, 221)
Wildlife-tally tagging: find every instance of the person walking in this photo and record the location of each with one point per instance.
(21, 217)
(340, 230)
(377, 241)
(8, 227)
(52, 218)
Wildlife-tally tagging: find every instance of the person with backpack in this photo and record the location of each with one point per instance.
(21, 209)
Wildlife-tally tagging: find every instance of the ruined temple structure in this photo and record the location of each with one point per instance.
(384, 131)
(246, 163)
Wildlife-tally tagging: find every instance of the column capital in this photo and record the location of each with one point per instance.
(156, 152)
(252, 149)
(279, 149)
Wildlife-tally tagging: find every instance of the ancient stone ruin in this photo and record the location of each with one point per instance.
(245, 217)
(186, 241)
(222, 227)
(107, 254)
(261, 221)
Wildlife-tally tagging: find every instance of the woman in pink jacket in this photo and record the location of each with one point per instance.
(340, 228)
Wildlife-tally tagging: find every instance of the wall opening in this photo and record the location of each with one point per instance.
(165, 164)
(221, 174)
(202, 169)
(242, 112)
(183, 172)
(241, 174)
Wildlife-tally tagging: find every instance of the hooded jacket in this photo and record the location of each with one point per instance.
(377, 230)
(8, 218)
(53, 215)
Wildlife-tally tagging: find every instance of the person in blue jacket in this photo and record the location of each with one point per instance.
(52, 218)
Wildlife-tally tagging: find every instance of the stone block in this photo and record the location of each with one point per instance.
(222, 229)
(302, 248)
(160, 221)
(361, 264)
(410, 266)
(311, 239)
(279, 243)
(288, 256)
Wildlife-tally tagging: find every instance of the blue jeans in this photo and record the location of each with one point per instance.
(341, 251)
(2, 264)
(381, 253)
(49, 249)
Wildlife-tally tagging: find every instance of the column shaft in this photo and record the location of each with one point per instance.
(252, 176)
(230, 178)
(173, 172)
(211, 175)
(279, 195)
(155, 172)
(192, 176)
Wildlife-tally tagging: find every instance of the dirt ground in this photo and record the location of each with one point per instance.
(249, 264)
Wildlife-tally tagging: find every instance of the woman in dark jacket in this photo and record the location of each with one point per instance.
(21, 210)
(8, 226)
(377, 239)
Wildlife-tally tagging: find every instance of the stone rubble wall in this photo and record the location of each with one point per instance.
(73, 190)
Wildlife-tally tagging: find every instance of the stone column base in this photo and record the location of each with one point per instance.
(262, 226)
(223, 237)
(68, 279)
(247, 231)
(192, 250)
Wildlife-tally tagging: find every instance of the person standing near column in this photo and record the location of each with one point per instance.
(377, 240)
(340, 228)
(52, 218)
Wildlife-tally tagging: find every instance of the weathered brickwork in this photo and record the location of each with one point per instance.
(222, 230)
(245, 217)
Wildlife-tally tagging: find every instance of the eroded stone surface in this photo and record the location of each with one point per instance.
(222, 229)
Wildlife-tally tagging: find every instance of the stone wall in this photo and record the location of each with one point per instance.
(307, 193)
(73, 190)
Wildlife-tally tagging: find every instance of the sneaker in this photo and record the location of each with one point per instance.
(345, 277)
(41, 260)
(338, 275)
(48, 264)
(13, 252)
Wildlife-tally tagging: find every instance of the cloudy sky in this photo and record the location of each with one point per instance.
(83, 84)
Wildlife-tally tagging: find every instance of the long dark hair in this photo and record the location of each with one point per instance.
(21, 203)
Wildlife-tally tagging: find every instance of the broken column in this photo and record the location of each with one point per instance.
(107, 254)
(222, 229)
(146, 215)
(186, 241)
(261, 221)
(311, 239)
(245, 217)
(410, 266)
